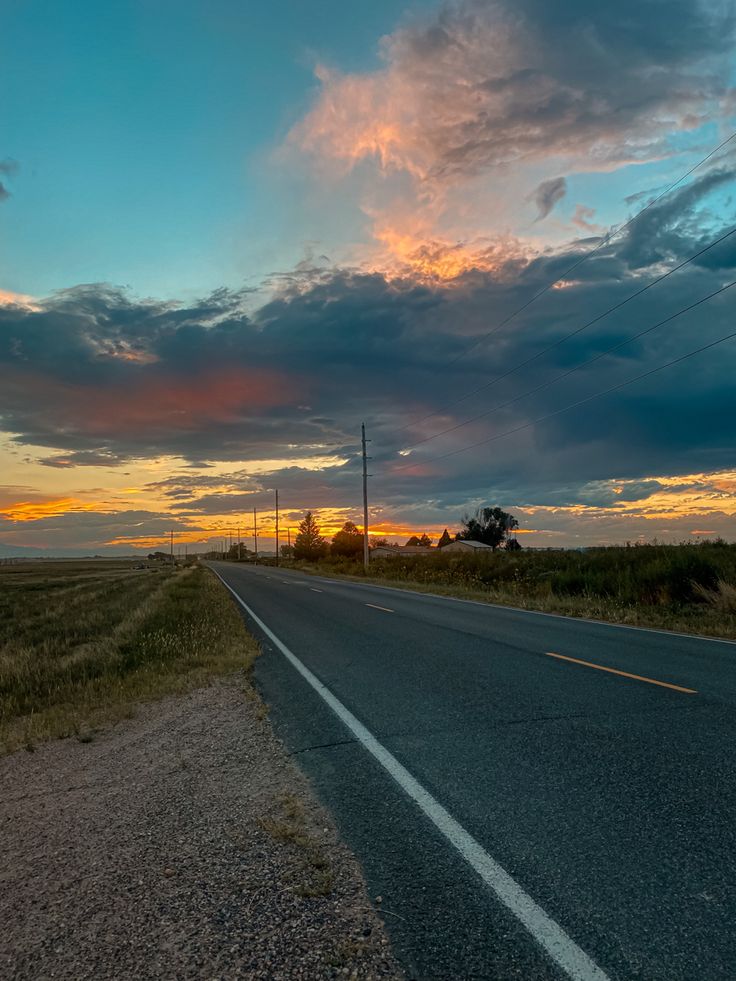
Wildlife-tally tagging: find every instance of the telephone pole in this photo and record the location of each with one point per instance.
(239, 547)
(365, 500)
(171, 547)
(255, 535)
(277, 527)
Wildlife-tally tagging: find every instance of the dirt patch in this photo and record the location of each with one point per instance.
(182, 843)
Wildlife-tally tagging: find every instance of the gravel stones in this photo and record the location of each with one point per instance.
(149, 853)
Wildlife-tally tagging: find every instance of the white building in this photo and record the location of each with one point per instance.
(466, 546)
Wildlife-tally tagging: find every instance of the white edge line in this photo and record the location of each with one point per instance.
(384, 608)
(560, 947)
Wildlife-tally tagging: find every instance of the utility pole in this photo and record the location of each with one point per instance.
(239, 547)
(171, 547)
(365, 501)
(277, 527)
(288, 539)
(255, 535)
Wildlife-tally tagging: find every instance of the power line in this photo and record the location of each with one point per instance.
(563, 275)
(574, 405)
(567, 337)
(583, 364)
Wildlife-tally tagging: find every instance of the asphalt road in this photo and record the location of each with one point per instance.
(607, 801)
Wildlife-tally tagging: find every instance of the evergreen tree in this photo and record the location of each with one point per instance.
(445, 539)
(309, 544)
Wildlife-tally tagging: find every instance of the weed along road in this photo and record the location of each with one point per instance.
(530, 796)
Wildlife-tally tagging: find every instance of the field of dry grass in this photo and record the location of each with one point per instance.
(82, 642)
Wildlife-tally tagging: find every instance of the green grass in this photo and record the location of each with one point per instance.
(82, 643)
(689, 588)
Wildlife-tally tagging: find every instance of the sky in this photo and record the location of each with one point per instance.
(495, 231)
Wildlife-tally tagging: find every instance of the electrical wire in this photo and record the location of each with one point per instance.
(563, 275)
(574, 405)
(522, 364)
(583, 364)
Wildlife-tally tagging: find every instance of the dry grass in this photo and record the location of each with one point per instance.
(289, 824)
(81, 643)
(722, 598)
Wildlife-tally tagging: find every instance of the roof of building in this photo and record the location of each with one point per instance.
(468, 542)
(404, 549)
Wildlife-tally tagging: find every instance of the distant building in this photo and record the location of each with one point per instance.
(392, 551)
(466, 546)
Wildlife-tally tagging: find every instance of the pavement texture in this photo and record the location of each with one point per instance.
(609, 800)
(181, 844)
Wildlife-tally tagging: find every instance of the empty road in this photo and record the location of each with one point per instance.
(531, 796)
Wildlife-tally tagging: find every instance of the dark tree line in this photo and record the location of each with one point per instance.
(490, 525)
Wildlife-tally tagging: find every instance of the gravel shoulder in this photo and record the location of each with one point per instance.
(182, 843)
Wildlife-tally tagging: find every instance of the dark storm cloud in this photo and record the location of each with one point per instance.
(100, 377)
(547, 195)
(665, 229)
(84, 458)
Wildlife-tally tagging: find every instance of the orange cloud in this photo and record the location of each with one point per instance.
(36, 510)
(153, 398)
(10, 299)
(471, 107)
(432, 259)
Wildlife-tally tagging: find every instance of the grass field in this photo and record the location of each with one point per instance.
(689, 588)
(82, 642)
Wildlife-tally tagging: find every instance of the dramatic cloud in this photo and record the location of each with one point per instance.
(101, 379)
(473, 108)
(452, 150)
(490, 82)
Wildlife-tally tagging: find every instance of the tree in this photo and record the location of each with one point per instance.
(424, 541)
(488, 525)
(348, 541)
(444, 539)
(309, 544)
(379, 542)
(512, 545)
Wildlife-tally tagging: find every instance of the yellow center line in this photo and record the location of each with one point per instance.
(384, 608)
(624, 674)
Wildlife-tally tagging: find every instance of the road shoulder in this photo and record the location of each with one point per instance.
(181, 843)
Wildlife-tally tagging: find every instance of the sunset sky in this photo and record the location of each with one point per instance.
(231, 232)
